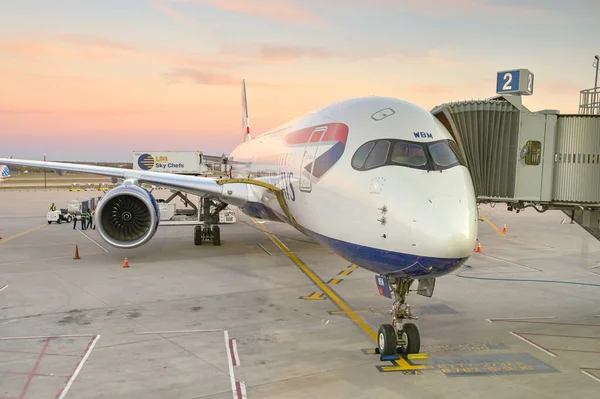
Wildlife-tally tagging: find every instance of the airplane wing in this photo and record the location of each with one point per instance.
(232, 193)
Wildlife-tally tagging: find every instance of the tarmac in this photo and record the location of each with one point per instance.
(271, 314)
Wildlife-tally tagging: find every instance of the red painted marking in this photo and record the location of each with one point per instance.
(238, 389)
(35, 353)
(231, 353)
(35, 367)
(28, 373)
(335, 132)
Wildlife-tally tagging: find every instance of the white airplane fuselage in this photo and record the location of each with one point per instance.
(407, 210)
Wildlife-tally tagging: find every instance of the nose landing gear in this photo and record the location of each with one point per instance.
(399, 335)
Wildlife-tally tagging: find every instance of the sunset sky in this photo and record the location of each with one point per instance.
(93, 80)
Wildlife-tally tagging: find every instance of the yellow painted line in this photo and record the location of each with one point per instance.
(403, 365)
(322, 286)
(314, 296)
(336, 312)
(22, 233)
(418, 356)
(345, 272)
(352, 266)
(493, 225)
(335, 280)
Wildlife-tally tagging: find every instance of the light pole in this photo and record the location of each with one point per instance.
(596, 98)
(596, 65)
(45, 186)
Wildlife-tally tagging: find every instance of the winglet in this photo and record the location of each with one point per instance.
(245, 118)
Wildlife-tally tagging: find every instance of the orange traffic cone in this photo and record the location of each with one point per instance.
(126, 263)
(478, 246)
(0, 237)
(76, 252)
(504, 229)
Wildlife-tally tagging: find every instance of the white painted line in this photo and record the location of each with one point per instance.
(47, 336)
(89, 238)
(3, 287)
(264, 249)
(79, 367)
(590, 375)
(229, 362)
(533, 344)
(519, 318)
(42, 260)
(178, 332)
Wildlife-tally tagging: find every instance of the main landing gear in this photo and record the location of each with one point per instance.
(209, 231)
(398, 335)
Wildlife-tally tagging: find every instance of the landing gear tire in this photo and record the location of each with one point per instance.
(216, 233)
(198, 235)
(387, 340)
(411, 339)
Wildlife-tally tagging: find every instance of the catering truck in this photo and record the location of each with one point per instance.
(181, 162)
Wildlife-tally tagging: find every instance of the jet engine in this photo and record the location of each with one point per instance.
(127, 216)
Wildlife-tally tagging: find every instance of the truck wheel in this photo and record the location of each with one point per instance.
(69, 219)
(49, 222)
(198, 235)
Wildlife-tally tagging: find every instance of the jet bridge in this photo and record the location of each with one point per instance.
(543, 159)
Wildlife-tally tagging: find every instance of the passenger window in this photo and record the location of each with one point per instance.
(360, 156)
(409, 154)
(442, 154)
(534, 153)
(379, 155)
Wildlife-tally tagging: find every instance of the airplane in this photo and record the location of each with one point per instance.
(377, 180)
(4, 171)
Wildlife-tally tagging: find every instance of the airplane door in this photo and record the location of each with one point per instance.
(308, 158)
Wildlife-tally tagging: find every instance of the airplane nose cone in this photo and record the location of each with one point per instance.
(445, 227)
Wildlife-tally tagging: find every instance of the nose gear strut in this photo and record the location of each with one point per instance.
(399, 334)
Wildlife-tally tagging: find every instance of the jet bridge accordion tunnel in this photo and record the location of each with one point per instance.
(542, 159)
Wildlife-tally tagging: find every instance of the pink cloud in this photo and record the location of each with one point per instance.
(179, 75)
(99, 49)
(281, 52)
(441, 8)
(201, 78)
(273, 10)
(94, 51)
(170, 12)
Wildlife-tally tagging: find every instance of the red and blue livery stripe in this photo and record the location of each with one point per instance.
(336, 133)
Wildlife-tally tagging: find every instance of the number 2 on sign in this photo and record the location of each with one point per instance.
(529, 83)
(508, 78)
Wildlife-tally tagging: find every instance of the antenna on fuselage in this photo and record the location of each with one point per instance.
(245, 117)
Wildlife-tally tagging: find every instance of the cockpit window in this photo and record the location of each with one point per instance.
(442, 154)
(359, 158)
(438, 155)
(456, 151)
(410, 154)
(379, 155)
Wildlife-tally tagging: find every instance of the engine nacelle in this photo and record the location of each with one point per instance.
(127, 216)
